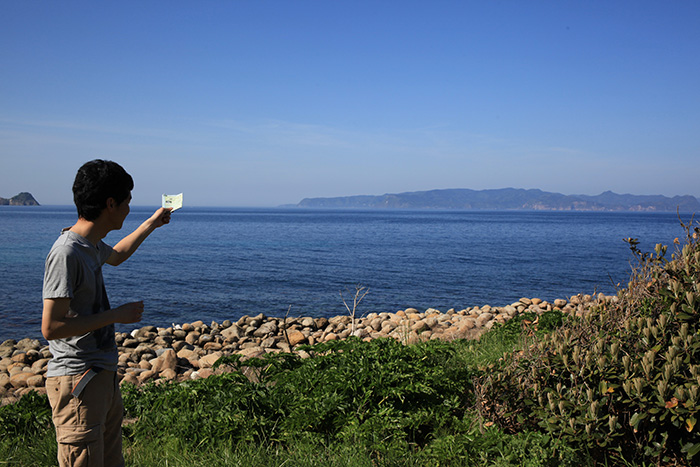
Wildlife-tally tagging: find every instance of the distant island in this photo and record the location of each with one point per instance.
(22, 199)
(507, 199)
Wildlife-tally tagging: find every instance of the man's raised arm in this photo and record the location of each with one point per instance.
(129, 244)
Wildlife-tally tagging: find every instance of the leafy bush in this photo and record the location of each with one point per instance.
(625, 379)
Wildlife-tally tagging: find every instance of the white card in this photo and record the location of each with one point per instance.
(172, 201)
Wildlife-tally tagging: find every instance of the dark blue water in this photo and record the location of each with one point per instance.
(221, 263)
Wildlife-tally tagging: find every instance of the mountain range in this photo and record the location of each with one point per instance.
(507, 199)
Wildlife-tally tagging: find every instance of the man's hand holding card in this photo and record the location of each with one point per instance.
(174, 202)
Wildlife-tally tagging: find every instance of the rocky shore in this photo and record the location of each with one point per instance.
(188, 351)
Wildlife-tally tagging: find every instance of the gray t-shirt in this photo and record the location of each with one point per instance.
(74, 271)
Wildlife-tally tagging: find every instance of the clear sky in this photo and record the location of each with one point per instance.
(262, 103)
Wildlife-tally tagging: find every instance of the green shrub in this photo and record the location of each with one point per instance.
(623, 381)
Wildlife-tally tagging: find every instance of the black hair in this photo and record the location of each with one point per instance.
(95, 182)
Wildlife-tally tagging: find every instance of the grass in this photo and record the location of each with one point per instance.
(352, 404)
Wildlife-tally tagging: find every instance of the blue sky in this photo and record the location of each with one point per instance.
(262, 103)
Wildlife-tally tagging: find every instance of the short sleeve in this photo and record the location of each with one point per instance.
(105, 252)
(61, 273)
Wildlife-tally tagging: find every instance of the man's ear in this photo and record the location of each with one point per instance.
(111, 203)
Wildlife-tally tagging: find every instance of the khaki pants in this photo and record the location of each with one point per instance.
(88, 427)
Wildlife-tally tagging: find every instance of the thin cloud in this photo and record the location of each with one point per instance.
(83, 127)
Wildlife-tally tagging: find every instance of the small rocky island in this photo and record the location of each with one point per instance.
(22, 199)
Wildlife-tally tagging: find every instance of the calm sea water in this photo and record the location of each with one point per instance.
(221, 263)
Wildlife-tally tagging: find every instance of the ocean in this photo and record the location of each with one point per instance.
(214, 264)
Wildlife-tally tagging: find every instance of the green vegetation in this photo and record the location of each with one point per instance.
(350, 403)
(617, 387)
(624, 381)
(26, 432)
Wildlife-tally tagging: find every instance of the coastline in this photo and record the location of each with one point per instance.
(188, 351)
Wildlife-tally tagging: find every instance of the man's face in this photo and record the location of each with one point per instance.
(122, 211)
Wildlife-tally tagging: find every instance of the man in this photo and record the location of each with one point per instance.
(78, 321)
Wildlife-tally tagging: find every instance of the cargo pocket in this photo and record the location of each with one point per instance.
(79, 445)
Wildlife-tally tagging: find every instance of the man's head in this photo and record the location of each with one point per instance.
(96, 182)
